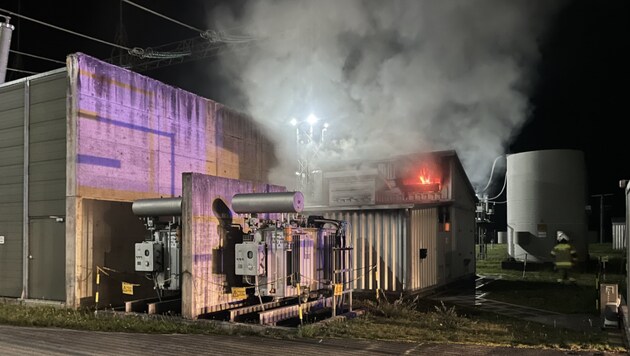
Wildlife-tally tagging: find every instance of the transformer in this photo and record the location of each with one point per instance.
(306, 255)
(275, 255)
(159, 255)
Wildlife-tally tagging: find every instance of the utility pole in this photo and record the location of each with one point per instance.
(601, 214)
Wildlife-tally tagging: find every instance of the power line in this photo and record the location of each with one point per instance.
(65, 30)
(163, 16)
(36, 56)
(196, 48)
(21, 71)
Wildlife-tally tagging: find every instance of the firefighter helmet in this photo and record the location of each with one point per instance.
(561, 236)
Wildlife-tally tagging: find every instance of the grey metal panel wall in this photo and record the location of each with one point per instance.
(47, 185)
(11, 178)
(46, 167)
(424, 273)
(619, 235)
(379, 238)
(47, 158)
(463, 235)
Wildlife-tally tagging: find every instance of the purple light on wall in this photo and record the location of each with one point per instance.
(136, 134)
(98, 161)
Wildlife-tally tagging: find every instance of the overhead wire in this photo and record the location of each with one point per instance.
(162, 16)
(211, 35)
(64, 29)
(21, 71)
(36, 56)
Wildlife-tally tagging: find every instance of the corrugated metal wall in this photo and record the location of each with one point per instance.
(47, 186)
(380, 240)
(11, 187)
(39, 101)
(619, 235)
(425, 272)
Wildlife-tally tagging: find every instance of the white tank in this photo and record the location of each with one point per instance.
(546, 193)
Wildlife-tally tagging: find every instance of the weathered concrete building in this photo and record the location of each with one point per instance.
(80, 143)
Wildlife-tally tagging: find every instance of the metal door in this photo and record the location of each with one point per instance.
(47, 260)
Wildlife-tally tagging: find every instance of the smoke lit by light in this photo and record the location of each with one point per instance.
(312, 119)
(391, 77)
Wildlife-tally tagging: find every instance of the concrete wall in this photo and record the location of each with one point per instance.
(132, 137)
(135, 136)
(206, 218)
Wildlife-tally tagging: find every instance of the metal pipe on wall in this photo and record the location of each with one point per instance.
(26, 256)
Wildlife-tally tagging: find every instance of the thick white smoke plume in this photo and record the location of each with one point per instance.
(388, 76)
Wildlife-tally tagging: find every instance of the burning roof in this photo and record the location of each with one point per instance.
(411, 179)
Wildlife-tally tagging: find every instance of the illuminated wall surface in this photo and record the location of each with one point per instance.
(135, 136)
(208, 250)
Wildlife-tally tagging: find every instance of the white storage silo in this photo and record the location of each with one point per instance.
(546, 192)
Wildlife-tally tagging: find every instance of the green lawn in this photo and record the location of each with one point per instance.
(407, 321)
(540, 289)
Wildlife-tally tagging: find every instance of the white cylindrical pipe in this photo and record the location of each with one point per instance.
(6, 30)
(157, 207)
(280, 202)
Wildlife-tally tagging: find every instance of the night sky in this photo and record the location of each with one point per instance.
(579, 99)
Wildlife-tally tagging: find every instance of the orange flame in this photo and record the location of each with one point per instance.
(425, 177)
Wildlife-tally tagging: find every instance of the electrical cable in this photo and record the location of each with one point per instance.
(163, 16)
(36, 56)
(502, 189)
(21, 71)
(150, 53)
(63, 29)
(491, 173)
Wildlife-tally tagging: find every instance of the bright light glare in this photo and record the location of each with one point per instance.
(293, 122)
(325, 125)
(311, 119)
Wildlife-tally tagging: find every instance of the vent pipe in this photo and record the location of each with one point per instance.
(6, 30)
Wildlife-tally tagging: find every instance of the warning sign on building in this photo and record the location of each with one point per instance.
(239, 293)
(127, 288)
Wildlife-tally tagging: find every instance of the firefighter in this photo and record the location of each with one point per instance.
(565, 256)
